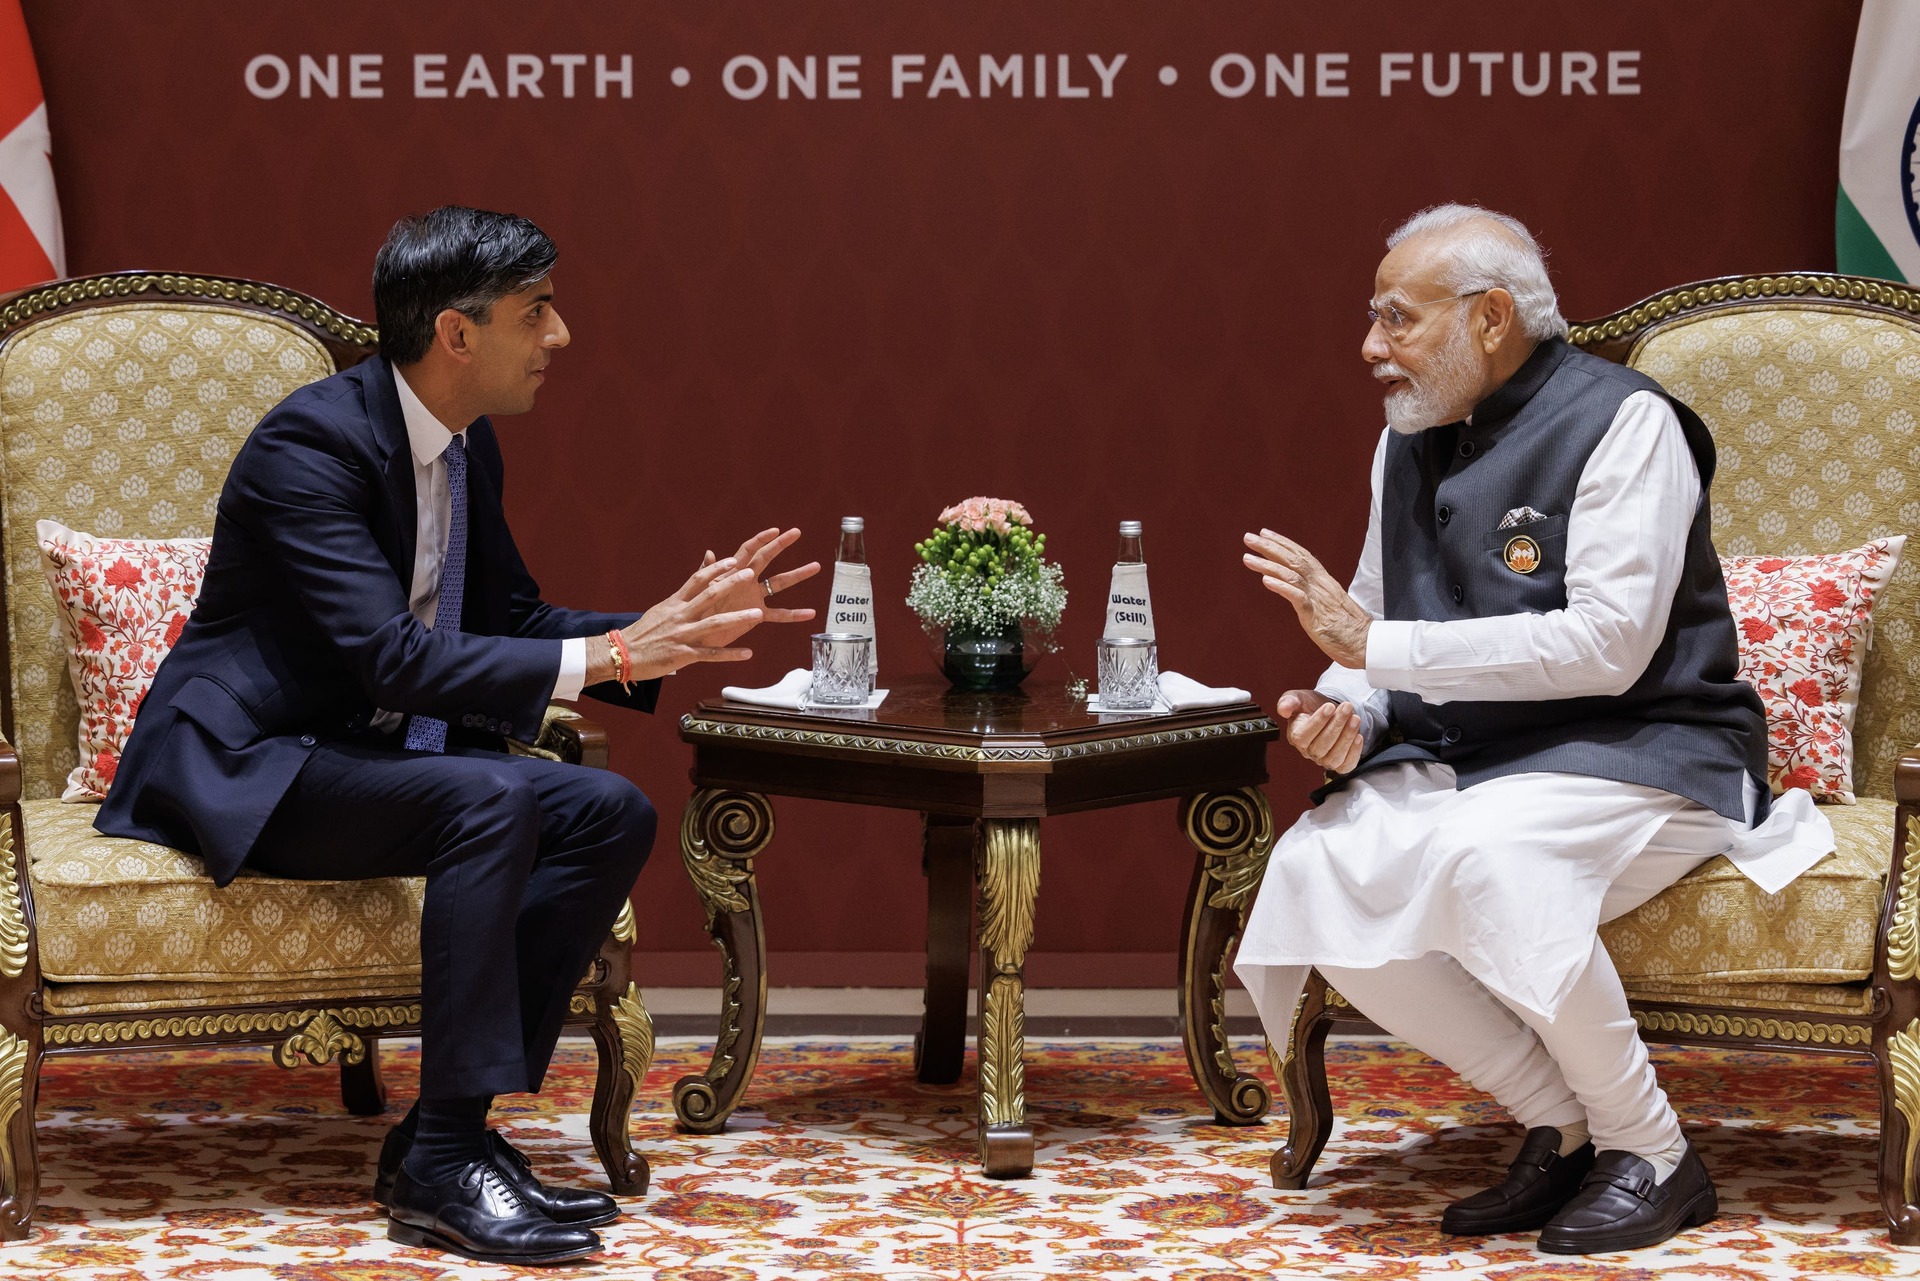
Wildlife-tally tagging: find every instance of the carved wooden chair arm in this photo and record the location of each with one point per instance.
(566, 735)
(1906, 777)
(19, 968)
(9, 775)
(1899, 942)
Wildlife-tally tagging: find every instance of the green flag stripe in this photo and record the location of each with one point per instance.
(1860, 251)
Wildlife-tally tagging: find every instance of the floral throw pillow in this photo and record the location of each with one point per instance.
(1806, 623)
(123, 602)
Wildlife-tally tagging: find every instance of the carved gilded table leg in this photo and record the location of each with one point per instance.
(719, 836)
(1009, 874)
(1232, 834)
(940, 1049)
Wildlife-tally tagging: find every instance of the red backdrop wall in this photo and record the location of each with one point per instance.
(785, 310)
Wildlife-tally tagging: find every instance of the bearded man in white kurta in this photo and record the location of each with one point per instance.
(1533, 723)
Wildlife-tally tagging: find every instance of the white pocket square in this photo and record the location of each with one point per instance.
(1520, 516)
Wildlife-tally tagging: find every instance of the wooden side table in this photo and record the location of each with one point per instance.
(983, 769)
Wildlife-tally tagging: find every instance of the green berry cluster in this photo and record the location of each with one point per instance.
(984, 555)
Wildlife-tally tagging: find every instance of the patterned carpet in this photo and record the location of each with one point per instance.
(218, 1166)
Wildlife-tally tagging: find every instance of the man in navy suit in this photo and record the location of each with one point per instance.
(366, 640)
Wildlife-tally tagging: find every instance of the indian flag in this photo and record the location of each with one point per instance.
(1877, 221)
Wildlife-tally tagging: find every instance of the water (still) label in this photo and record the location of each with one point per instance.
(850, 603)
(1129, 608)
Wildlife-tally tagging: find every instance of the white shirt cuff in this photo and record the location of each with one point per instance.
(573, 669)
(1390, 654)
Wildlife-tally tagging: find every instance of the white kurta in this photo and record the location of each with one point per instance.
(1508, 876)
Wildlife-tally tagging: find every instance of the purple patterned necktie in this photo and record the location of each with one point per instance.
(429, 733)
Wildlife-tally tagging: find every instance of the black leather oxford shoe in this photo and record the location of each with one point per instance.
(1620, 1207)
(573, 1206)
(481, 1215)
(1538, 1183)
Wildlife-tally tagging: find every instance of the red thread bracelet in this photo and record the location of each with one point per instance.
(625, 665)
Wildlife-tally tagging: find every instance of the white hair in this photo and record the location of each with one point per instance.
(1489, 250)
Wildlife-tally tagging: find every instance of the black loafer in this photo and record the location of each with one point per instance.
(1620, 1207)
(1538, 1183)
(563, 1205)
(481, 1215)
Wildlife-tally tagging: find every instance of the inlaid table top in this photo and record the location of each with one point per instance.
(1034, 751)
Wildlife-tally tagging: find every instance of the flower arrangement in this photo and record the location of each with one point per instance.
(985, 571)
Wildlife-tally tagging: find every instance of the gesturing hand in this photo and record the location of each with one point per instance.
(1333, 619)
(756, 555)
(1325, 732)
(720, 603)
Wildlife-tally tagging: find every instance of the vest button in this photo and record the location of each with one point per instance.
(1445, 513)
(1466, 449)
(308, 740)
(1459, 593)
(1451, 736)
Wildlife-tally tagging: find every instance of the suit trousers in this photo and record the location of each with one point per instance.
(527, 862)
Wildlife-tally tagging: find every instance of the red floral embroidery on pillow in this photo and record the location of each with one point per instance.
(1804, 622)
(1805, 776)
(1807, 690)
(122, 575)
(1826, 594)
(126, 602)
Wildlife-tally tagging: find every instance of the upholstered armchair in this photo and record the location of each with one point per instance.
(1811, 387)
(123, 399)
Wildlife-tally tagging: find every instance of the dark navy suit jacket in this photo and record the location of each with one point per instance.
(302, 629)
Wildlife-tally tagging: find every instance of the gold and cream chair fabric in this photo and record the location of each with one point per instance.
(123, 399)
(1811, 387)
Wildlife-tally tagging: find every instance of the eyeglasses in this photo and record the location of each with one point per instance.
(1393, 316)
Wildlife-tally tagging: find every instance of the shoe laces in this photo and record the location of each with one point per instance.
(491, 1176)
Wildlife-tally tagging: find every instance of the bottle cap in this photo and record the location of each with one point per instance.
(1129, 529)
(853, 524)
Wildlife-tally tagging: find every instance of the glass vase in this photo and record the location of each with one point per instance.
(986, 661)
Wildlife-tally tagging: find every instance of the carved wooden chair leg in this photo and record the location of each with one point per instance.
(362, 1090)
(1302, 1070)
(19, 1146)
(1898, 1061)
(623, 1033)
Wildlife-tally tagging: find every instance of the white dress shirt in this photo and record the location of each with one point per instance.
(1626, 548)
(433, 511)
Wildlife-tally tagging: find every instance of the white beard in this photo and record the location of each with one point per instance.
(1444, 395)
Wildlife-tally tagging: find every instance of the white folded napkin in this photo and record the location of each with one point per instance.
(1181, 693)
(791, 692)
(1177, 694)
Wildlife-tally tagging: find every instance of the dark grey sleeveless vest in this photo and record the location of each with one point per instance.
(1689, 725)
